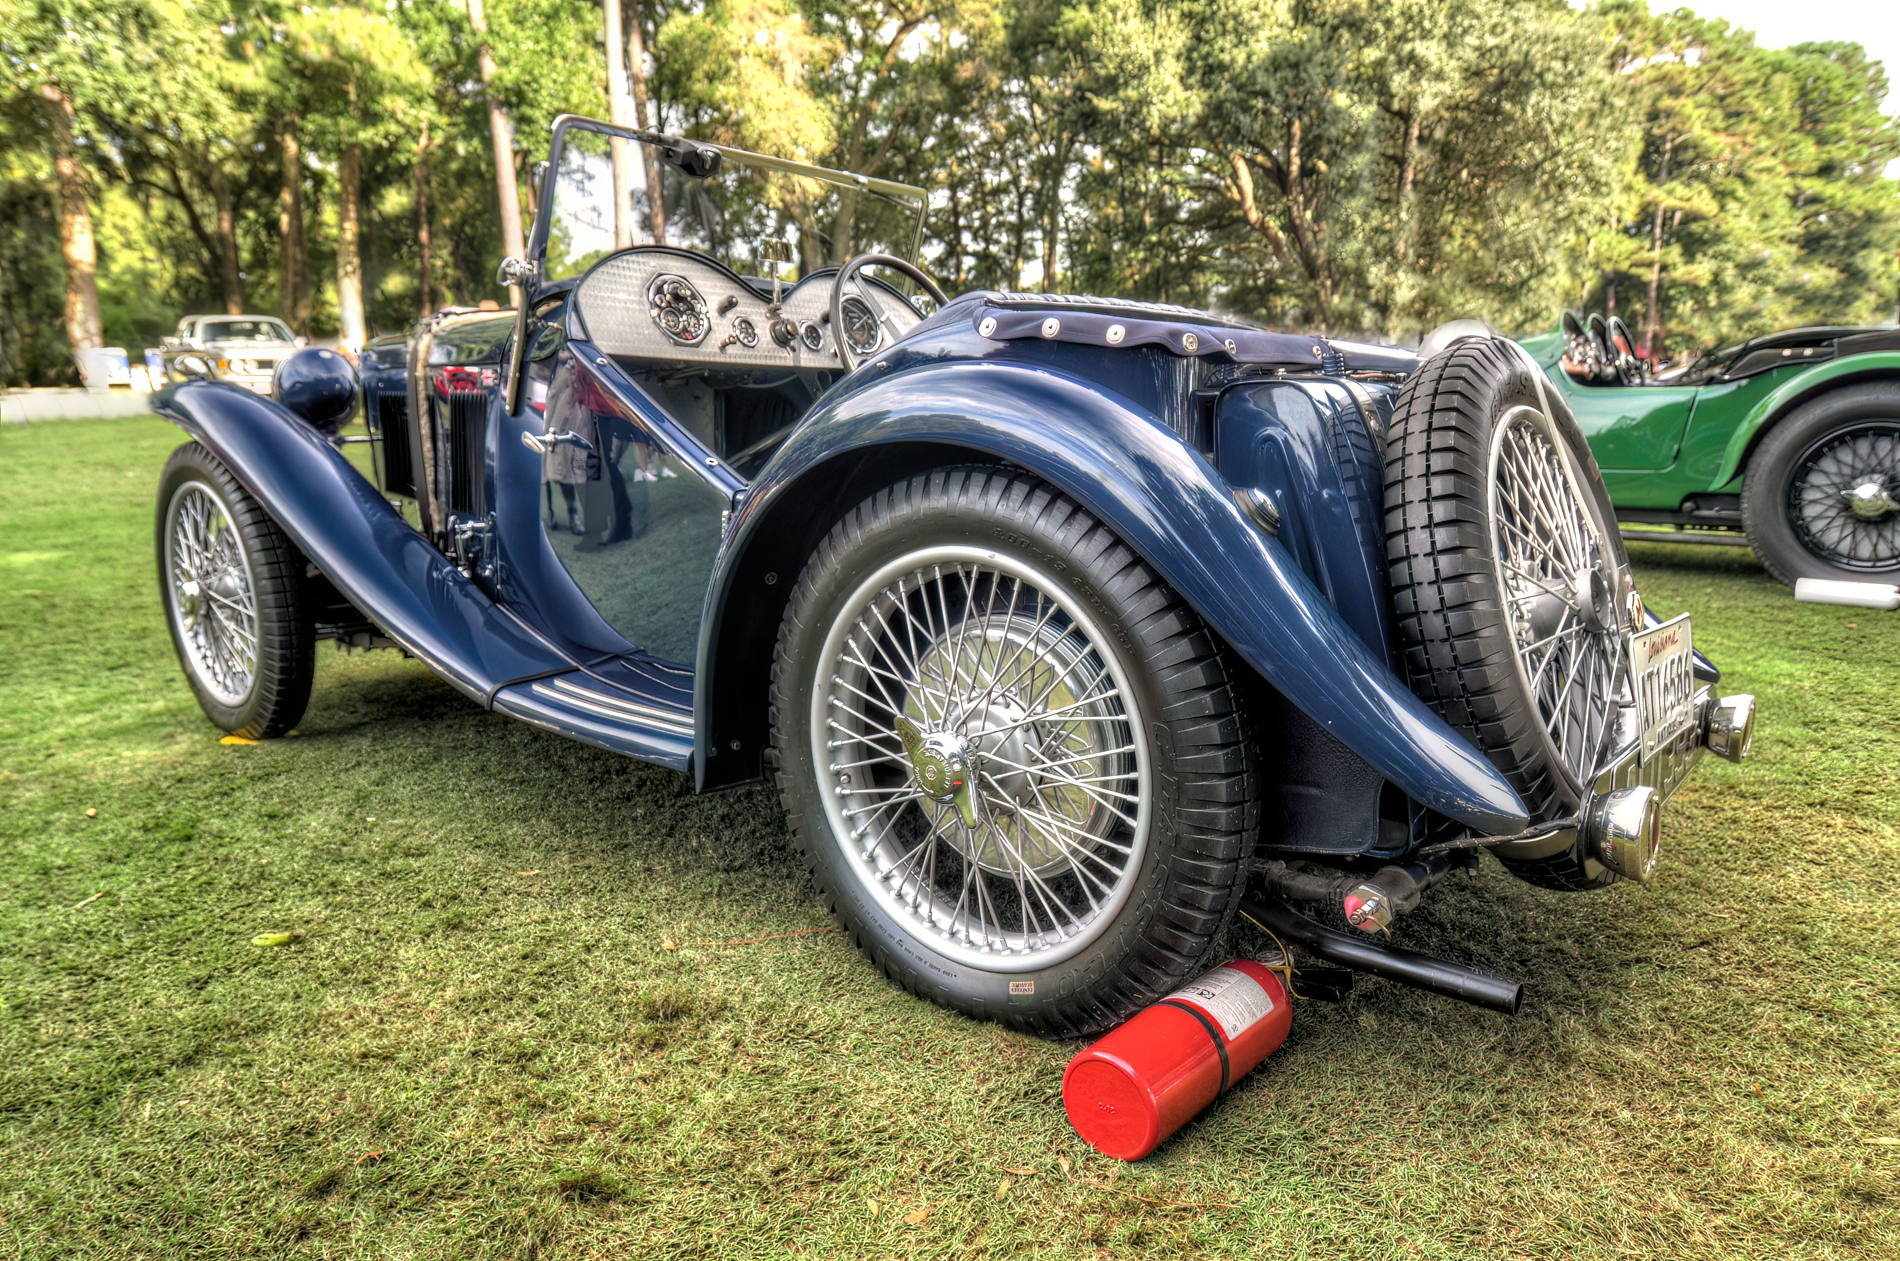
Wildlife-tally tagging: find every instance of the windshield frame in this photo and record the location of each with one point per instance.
(549, 176)
(533, 277)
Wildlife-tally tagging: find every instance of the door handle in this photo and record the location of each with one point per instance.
(544, 443)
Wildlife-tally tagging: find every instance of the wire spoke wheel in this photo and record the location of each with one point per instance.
(233, 587)
(1558, 584)
(982, 757)
(213, 596)
(1844, 497)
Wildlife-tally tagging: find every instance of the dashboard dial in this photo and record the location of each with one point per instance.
(745, 331)
(811, 335)
(678, 310)
(861, 332)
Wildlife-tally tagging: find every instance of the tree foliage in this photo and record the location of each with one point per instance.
(1360, 166)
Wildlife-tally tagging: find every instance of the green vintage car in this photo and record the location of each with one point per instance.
(1789, 442)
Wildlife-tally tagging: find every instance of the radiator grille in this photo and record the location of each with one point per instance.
(392, 425)
(468, 436)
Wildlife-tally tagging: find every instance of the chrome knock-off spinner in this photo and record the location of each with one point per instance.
(940, 763)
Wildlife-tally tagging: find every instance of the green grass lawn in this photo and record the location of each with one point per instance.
(503, 1032)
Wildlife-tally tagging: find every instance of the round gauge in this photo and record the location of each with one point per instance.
(678, 310)
(861, 332)
(745, 331)
(811, 335)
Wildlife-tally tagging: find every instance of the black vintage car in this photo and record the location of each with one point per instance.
(1062, 624)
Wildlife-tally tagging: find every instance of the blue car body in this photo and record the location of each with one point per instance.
(1246, 466)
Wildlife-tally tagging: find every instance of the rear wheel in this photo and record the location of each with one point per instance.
(233, 588)
(1821, 497)
(1508, 580)
(1010, 754)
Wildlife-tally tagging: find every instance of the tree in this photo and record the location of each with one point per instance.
(502, 137)
(1757, 200)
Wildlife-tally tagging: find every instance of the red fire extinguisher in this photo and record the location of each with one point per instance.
(1146, 1079)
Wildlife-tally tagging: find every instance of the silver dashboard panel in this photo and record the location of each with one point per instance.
(612, 302)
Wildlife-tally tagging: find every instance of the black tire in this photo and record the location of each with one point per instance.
(256, 689)
(1452, 551)
(1189, 843)
(1792, 504)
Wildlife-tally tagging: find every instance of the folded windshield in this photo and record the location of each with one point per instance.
(597, 198)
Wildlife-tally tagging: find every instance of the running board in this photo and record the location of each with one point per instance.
(602, 717)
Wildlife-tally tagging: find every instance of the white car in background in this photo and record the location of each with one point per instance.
(243, 349)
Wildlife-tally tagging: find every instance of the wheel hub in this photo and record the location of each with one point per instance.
(940, 765)
(1002, 730)
(1590, 596)
(1870, 500)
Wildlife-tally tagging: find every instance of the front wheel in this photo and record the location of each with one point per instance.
(1821, 497)
(1011, 756)
(233, 588)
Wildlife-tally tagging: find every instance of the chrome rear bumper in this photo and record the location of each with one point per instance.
(1621, 815)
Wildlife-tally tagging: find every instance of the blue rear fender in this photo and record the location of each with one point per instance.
(1163, 498)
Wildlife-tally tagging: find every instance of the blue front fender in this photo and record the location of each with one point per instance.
(342, 524)
(1167, 503)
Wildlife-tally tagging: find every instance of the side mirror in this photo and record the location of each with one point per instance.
(700, 161)
(191, 365)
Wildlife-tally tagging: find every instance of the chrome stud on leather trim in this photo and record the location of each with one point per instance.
(1051, 326)
(1730, 729)
(1190, 343)
(1115, 334)
(1625, 829)
(987, 327)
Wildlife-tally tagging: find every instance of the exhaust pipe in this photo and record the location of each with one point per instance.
(1859, 595)
(1453, 980)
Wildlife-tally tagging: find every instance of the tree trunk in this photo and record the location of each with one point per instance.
(293, 274)
(637, 76)
(1051, 228)
(349, 251)
(230, 263)
(1652, 317)
(498, 135)
(84, 329)
(619, 109)
(426, 277)
(1408, 167)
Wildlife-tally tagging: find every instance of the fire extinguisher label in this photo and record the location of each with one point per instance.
(1232, 998)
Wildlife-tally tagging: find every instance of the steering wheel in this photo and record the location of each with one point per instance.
(1603, 362)
(1629, 369)
(1578, 351)
(869, 333)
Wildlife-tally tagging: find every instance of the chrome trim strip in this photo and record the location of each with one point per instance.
(613, 707)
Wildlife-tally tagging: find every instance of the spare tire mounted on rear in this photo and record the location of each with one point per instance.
(1510, 585)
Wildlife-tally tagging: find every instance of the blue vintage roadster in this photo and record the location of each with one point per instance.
(1063, 625)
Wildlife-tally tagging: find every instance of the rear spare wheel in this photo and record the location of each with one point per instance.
(1509, 582)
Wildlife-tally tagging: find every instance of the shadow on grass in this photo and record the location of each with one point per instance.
(1571, 951)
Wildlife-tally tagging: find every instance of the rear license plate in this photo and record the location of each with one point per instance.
(1662, 659)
